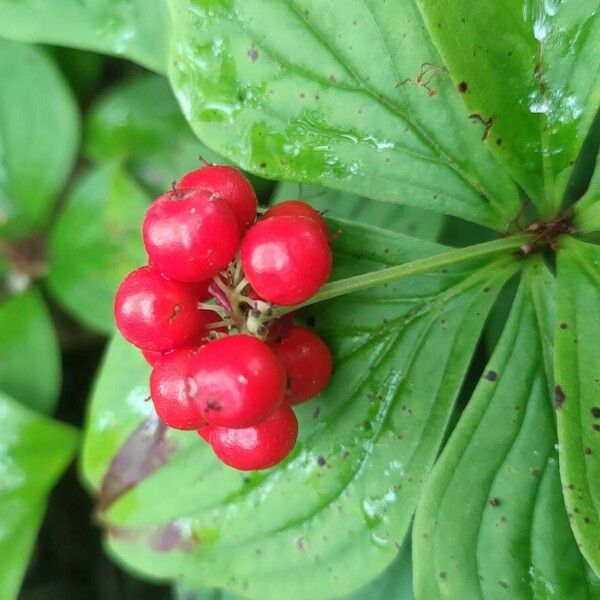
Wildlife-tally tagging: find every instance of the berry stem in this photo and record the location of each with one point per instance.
(416, 267)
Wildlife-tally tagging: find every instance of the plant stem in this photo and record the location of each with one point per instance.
(415, 267)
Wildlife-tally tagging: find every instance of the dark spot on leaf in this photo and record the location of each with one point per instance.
(499, 141)
(160, 538)
(321, 460)
(316, 412)
(559, 397)
(596, 412)
(587, 451)
(503, 584)
(263, 165)
(486, 290)
(563, 325)
(346, 454)
(253, 54)
(596, 426)
(586, 520)
(332, 79)
(535, 472)
(144, 451)
(494, 502)
(443, 574)
(302, 95)
(462, 87)
(491, 376)
(487, 124)
(301, 544)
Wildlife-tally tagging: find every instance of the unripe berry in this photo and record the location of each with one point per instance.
(297, 208)
(286, 259)
(232, 187)
(190, 235)
(156, 313)
(257, 447)
(307, 361)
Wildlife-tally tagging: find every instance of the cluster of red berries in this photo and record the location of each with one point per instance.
(226, 362)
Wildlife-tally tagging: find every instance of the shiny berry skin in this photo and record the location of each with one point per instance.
(153, 357)
(239, 381)
(156, 313)
(190, 235)
(230, 184)
(172, 390)
(286, 259)
(258, 447)
(297, 208)
(307, 361)
(200, 339)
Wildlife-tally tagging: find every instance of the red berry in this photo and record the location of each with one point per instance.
(230, 184)
(204, 432)
(190, 235)
(199, 340)
(286, 259)
(257, 447)
(172, 390)
(156, 313)
(307, 361)
(239, 381)
(153, 357)
(297, 208)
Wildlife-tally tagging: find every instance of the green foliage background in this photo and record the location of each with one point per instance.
(464, 409)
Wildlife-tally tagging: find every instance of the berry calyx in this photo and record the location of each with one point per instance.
(232, 187)
(239, 381)
(286, 259)
(173, 390)
(257, 447)
(297, 208)
(156, 313)
(307, 361)
(190, 235)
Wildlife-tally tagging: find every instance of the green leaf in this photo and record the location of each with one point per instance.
(395, 583)
(531, 71)
(335, 514)
(576, 394)
(586, 213)
(95, 242)
(402, 219)
(491, 522)
(39, 131)
(84, 70)
(140, 123)
(29, 352)
(33, 454)
(133, 29)
(325, 93)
